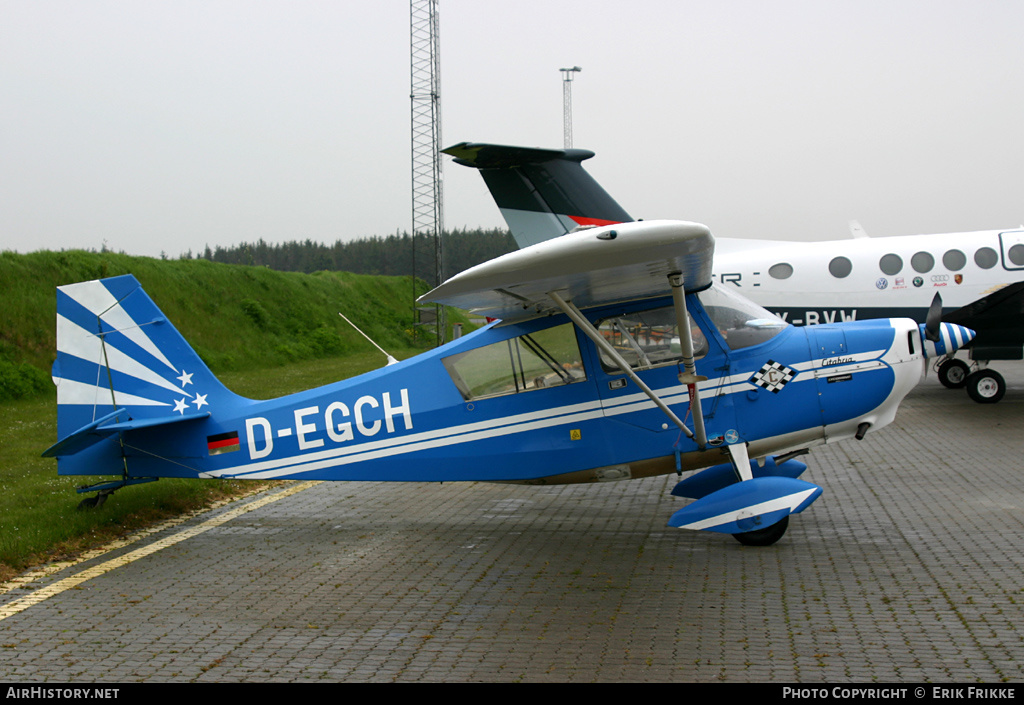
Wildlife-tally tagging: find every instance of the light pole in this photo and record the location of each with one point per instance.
(567, 76)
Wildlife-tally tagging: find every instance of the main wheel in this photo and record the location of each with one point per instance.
(986, 386)
(766, 536)
(953, 373)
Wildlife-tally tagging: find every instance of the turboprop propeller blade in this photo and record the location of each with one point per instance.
(934, 318)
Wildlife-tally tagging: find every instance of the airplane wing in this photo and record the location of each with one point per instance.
(999, 320)
(542, 193)
(592, 267)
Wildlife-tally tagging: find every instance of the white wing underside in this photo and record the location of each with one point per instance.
(593, 267)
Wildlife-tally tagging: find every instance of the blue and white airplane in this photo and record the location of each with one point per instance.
(546, 193)
(612, 356)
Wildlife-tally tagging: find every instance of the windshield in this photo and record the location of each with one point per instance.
(741, 322)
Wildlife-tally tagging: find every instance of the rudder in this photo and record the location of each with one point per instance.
(117, 352)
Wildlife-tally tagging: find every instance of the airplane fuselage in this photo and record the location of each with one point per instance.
(475, 410)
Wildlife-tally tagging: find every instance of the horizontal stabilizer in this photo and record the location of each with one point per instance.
(84, 437)
(106, 426)
(718, 477)
(747, 506)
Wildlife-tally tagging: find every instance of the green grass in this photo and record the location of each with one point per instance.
(264, 333)
(236, 317)
(307, 374)
(38, 516)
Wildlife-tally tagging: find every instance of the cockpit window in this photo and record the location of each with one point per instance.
(648, 339)
(547, 358)
(741, 322)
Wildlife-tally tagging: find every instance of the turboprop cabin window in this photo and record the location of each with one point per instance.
(741, 322)
(840, 267)
(647, 339)
(547, 358)
(986, 258)
(891, 264)
(922, 262)
(954, 260)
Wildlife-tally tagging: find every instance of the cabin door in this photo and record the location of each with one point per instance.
(649, 342)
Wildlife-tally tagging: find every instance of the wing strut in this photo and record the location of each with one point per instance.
(588, 329)
(689, 376)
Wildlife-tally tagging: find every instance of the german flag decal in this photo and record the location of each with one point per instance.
(223, 443)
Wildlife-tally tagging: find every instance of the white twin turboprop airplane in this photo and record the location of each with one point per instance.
(546, 193)
(980, 276)
(613, 356)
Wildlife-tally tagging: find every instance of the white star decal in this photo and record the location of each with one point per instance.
(180, 406)
(186, 378)
(200, 400)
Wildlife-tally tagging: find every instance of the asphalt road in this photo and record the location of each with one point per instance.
(908, 569)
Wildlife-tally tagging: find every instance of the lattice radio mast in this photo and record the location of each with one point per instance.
(427, 201)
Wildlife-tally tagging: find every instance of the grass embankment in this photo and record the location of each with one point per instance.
(264, 333)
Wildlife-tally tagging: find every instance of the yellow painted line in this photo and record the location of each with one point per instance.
(57, 566)
(22, 604)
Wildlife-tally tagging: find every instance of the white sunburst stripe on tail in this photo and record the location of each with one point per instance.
(70, 391)
(76, 341)
(98, 300)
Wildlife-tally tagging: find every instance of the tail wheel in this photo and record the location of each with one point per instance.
(766, 536)
(953, 373)
(986, 386)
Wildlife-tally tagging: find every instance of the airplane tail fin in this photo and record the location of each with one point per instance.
(542, 193)
(121, 366)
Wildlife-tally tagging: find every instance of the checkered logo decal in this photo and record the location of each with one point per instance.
(773, 376)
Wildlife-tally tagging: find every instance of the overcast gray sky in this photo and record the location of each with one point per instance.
(167, 125)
